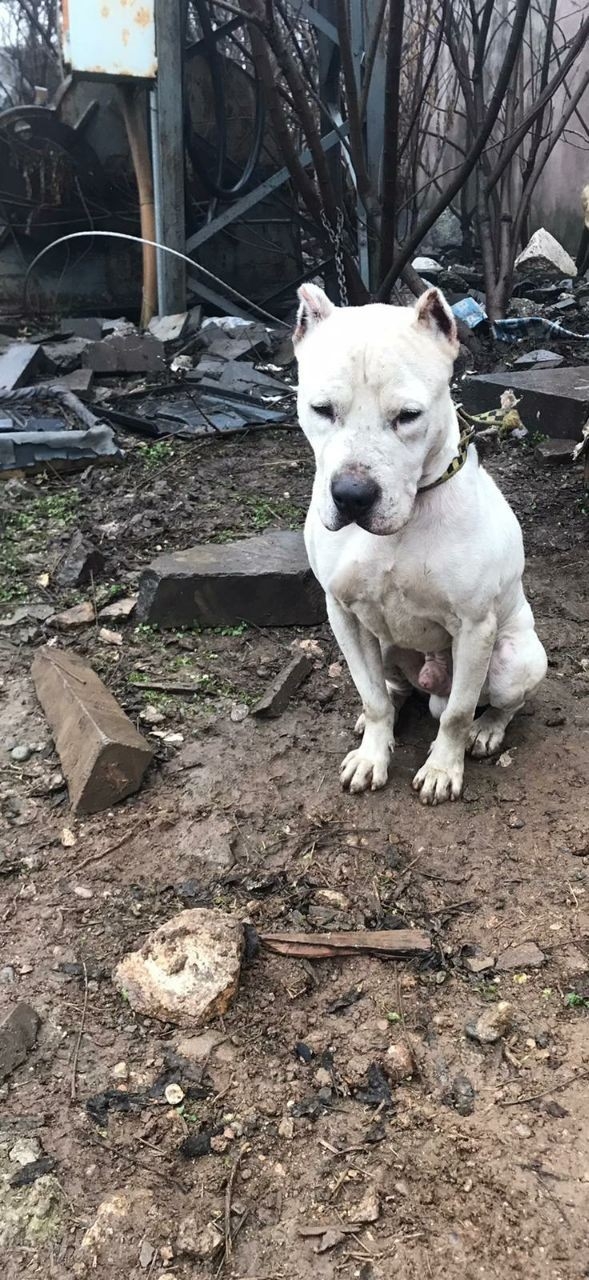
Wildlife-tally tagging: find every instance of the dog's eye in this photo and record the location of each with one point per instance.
(408, 415)
(324, 411)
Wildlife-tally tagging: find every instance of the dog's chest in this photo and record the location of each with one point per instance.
(393, 606)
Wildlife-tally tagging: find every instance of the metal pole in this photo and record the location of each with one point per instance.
(168, 154)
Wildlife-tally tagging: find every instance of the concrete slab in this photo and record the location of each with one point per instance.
(103, 757)
(264, 580)
(553, 401)
(18, 364)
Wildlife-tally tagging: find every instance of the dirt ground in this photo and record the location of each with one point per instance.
(249, 817)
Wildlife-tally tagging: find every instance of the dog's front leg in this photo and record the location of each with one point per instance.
(368, 766)
(440, 778)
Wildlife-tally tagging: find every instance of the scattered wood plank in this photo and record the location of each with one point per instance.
(386, 943)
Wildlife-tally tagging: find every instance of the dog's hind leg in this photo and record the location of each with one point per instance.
(517, 667)
(367, 766)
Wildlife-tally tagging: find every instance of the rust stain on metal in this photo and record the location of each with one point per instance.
(143, 17)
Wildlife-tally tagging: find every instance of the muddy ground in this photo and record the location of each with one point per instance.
(250, 817)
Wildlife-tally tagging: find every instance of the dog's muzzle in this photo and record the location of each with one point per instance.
(355, 495)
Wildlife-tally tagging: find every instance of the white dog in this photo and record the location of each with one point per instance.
(419, 554)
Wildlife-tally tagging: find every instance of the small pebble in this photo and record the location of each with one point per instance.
(523, 1131)
(81, 891)
(286, 1128)
(515, 823)
(174, 1094)
(120, 1071)
(7, 974)
(33, 861)
(21, 753)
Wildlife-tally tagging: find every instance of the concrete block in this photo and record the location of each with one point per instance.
(102, 755)
(264, 580)
(553, 401)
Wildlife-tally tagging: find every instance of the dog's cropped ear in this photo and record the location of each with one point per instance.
(433, 315)
(315, 307)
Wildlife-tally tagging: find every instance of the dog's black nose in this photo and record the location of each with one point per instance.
(354, 494)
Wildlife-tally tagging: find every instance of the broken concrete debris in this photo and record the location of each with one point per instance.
(18, 1033)
(264, 580)
(552, 401)
(187, 971)
(102, 755)
(29, 441)
(130, 352)
(169, 328)
(81, 564)
(283, 686)
(544, 254)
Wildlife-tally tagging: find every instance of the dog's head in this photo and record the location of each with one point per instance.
(374, 402)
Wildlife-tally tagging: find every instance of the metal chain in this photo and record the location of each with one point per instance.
(336, 237)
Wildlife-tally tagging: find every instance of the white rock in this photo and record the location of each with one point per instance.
(25, 1151)
(427, 265)
(544, 253)
(174, 1094)
(187, 971)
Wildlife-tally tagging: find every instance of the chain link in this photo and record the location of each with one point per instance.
(336, 237)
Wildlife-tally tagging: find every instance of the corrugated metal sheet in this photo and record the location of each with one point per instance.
(114, 38)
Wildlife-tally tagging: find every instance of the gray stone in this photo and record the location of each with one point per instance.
(21, 753)
(81, 562)
(492, 1023)
(462, 1095)
(552, 401)
(554, 451)
(18, 1033)
(264, 580)
(524, 955)
(187, 971)
(283, 686)
(18, 364)
(102, 755)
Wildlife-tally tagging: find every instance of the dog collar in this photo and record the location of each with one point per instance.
(457, 463)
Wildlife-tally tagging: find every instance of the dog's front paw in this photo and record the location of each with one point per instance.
(360, 771)
(437, 783)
